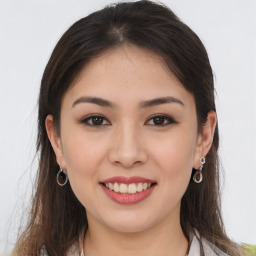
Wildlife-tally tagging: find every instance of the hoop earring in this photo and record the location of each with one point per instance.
(62, 178)
(199, 172)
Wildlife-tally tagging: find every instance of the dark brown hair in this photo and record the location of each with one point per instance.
(57, 217)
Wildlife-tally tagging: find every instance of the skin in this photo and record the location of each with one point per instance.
(130, 142)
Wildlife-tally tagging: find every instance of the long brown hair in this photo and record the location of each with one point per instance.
(57, 217)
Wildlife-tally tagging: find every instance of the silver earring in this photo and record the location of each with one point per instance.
(198, 176)
(62, 177)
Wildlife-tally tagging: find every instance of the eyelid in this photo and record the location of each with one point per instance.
(170, 119)
(88, 117)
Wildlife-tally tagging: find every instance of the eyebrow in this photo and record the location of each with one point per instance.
(143, 104)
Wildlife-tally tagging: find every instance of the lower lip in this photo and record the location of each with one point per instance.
(128, 198)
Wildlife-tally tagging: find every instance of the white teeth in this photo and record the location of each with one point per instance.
(123, 188)
(110, 186)
(116, 187)
(139, 187)
(132, 188)
(128, 189)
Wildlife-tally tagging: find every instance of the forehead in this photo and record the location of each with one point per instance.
(125, 75)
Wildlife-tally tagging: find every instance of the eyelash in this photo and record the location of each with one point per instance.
(168, 118)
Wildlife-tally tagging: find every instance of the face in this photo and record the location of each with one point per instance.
(128, 140)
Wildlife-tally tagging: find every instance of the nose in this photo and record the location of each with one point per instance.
(127, 148)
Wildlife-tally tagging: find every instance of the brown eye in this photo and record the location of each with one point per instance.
(95, 120)
(161, 120)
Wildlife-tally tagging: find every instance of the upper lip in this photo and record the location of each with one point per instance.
(128, 180)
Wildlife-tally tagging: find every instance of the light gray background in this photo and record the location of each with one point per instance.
(29, 30)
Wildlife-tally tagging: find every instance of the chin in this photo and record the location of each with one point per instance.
(130, 224)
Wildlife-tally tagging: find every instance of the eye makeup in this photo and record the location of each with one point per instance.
(97, 120)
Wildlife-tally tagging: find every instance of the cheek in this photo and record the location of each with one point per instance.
(83, 155)
(79, 154)
(82, 150)
(174, 158)
(176, 151)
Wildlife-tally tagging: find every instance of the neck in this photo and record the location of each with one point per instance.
(166, 238)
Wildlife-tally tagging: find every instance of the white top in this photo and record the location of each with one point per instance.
(209, 248)
(194, 250)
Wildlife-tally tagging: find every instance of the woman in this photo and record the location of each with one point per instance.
(128, 140)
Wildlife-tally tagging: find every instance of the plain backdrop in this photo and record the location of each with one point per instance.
(29, 29)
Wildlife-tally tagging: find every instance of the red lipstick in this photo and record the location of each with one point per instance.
(126, 198)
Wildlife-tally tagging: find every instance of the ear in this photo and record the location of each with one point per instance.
(55, 141)
(205, 139)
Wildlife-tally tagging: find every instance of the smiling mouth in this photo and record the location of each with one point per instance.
(132, 188)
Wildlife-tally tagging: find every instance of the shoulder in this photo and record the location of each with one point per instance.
(74, 250)
(209, 248)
